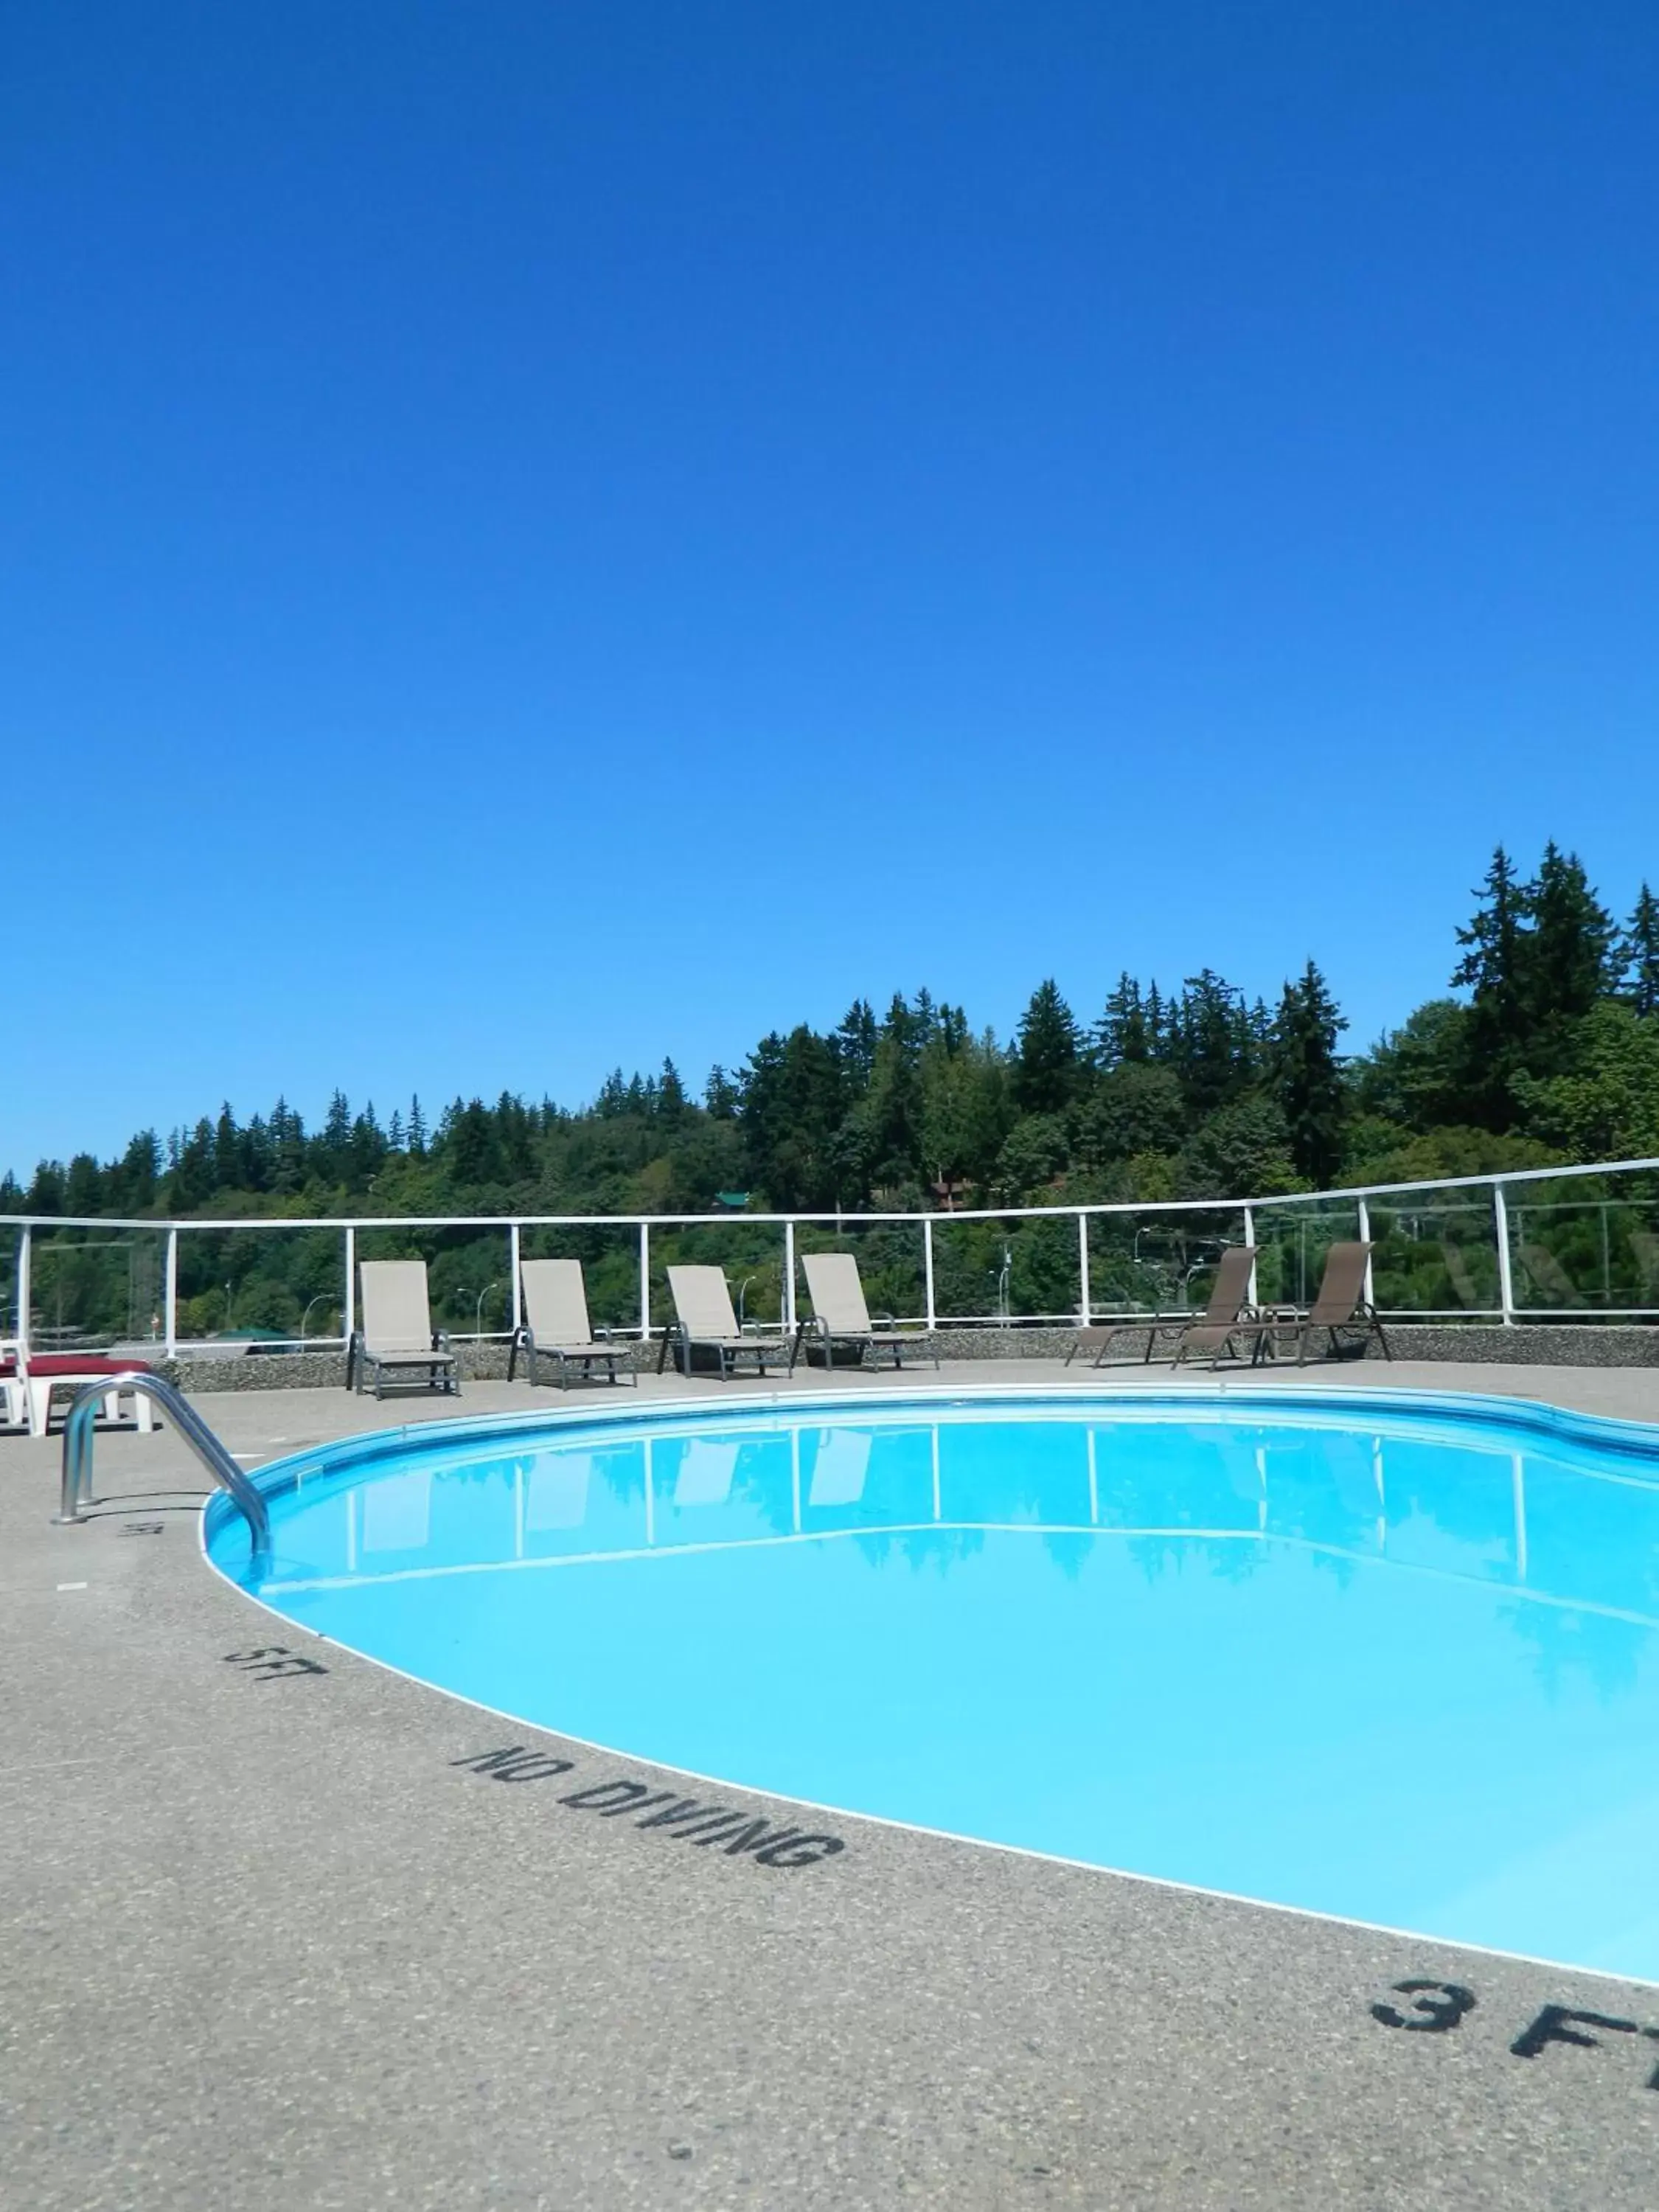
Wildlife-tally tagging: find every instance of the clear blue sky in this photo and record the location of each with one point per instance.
(535, 537)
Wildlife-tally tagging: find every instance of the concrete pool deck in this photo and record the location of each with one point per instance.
(279, 1939)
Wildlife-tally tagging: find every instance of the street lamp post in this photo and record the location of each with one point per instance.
(321, 1298)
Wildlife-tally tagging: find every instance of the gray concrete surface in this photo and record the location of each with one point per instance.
(264, 1943)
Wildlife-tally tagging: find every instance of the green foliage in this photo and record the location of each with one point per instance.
(1550, 1054)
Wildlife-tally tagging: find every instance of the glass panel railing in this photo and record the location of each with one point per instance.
(1587, 1245)
(1006, 1270)
(1436, 1254)
(244, 1288)
(468, 1269)
(1152, 1262)
(891, 1263)
(609, 1256)
(750, 1253)
(91, 1289)
(1291, 1242)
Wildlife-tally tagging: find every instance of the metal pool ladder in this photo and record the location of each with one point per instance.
(195, 1431)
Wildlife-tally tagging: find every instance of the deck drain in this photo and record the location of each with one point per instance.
(141, 1528)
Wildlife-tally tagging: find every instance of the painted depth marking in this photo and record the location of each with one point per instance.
(71, 1586)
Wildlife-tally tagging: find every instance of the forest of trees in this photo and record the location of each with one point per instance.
(1545, 1050)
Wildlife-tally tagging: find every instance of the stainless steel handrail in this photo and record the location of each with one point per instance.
(195, 1431)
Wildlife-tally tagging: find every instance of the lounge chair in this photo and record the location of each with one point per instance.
(556, 1326)
(1341, 1304)
(1229, 1303)
(839, 1315)
(28, 1380)
(705, 1322)
(396, 1339)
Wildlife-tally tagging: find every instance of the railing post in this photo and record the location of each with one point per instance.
(928, 1268)
(788, 1278)
(24, 1295)
(1365, 1238)
(1083, 1269)
(645, 1283)
(1249, 1238)
(513, 1269)
(170, 1298)
(348, 1307)
(1500, 1214)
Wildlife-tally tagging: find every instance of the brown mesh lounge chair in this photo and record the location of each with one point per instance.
(705, 1322)
(1229, 1300)
(1341, 1304)
(556, 1326)
(839, 1315)
(397, 1339)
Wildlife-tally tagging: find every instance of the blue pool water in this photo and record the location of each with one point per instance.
(1390, 1662)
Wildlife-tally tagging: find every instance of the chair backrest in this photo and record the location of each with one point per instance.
(1231, 1291)
(836, 1290)
(555, 1301)
(1342, 1286)
(703, 1302)
(396, 1316)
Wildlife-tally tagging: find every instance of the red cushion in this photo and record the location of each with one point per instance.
(72, 1363)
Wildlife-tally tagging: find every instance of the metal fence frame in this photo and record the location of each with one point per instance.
(513, 1226)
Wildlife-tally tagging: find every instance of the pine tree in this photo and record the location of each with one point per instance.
(1046, 1053)
(670, 1094)
(720, 1094)
(416, 1128)
(337, 1126)
(1307, 1075)
(1208, 1044)
(856, 1043)
(1639, 954)
(1158, 1041)
(1493, 971)
(394, 1131)
(1122, 1033)
(1567, 961)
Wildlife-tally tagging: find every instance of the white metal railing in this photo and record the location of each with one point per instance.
(1501, 1198)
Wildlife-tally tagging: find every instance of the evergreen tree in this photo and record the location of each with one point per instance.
(394, 1131)
(1493, 971)
(335, 1139)
(1567, 963)
(670, 1094)
(1158, 1041)
(1308, 1076)
(1639, 954)
(1046, 1053)
(1207, 1043)
(226, 1151)
(856, 1043)
(416, 1129)
(1122, 1035)
(720, 1094)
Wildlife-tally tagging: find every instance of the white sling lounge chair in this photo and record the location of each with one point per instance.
(556, 1326)
(705, 1320)
(396, 1339)
(841, 1315)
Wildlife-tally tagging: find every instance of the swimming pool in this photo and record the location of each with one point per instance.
(1387, 1657)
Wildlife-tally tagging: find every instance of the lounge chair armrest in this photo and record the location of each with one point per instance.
(440, 1340)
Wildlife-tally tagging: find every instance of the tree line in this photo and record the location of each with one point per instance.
(1546, 1048)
